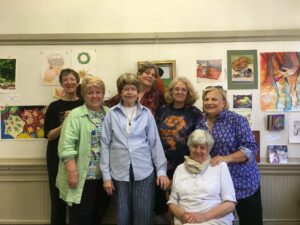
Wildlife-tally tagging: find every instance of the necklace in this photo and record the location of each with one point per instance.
(132, 113)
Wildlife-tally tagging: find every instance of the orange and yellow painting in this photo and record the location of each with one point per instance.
(280, 81)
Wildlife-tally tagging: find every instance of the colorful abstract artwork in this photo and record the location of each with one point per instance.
(22, 122)
(7, 75)
(209, 69)
(280, 81)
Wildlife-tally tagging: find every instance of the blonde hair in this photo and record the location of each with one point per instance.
(192, 95)
(91, 81)
(127, 78)
(201, 137)
(220, 90)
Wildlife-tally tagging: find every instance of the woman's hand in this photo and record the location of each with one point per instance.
(218, 159)
(163, 182)
(72, 178)
(108, 186)
(190, 217)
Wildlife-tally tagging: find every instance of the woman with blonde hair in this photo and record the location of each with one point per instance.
(175, 121)
(79, 178)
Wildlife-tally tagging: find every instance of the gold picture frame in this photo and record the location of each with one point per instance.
(168, 67)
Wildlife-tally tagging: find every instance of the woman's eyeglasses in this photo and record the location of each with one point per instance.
(217, 86)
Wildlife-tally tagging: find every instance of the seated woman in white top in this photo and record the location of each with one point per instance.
(201, 193)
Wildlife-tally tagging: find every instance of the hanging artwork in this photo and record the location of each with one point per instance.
(84, 62)
(278, 153)
(294, 128)
(209, 69)
(22, 122)
(242, 101)
(280, 81)
(7, 75)
(275, 122)
(52, 62)
(242, 69)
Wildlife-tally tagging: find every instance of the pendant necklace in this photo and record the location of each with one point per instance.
(132, 114)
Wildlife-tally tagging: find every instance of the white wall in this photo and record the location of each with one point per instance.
(118, 16)
(112, 60)
(138, 16)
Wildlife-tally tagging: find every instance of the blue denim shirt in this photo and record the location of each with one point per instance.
(233, 133)
(141, 147)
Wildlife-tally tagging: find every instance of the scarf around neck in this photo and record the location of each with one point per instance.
(195, 167)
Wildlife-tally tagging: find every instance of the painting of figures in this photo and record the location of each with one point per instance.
(280, 81)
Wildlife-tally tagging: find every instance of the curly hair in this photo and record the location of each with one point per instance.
(192, 95)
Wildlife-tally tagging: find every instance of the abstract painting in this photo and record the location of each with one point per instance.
(280, 81)
(22, 122)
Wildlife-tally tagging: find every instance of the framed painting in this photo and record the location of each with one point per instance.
(166, 69)
(242, 69)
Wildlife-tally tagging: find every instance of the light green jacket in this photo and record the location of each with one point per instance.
(75, 140)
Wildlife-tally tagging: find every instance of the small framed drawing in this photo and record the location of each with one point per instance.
(242, 69)
(166, 69)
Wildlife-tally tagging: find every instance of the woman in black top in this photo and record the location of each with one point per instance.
(55, 115)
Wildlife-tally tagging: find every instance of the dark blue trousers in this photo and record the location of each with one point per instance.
(135, 201)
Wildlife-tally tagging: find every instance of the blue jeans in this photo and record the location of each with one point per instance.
(135, 200)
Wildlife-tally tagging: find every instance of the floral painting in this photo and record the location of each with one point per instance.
(280, 81)
(22, 122)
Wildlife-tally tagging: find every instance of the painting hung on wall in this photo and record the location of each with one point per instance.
(242, 69)
(22, 122)
(7, 75)
(280, 81)
(278, 153)
(209, 69)
(52, 62)
(166, 70)
(84, 62)
(275, 122)
(242, 101)
(294, 128)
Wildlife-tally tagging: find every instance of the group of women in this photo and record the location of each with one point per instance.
(145, 145)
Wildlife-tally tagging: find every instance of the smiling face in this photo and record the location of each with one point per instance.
(94, 98)
(69, 83)
(179, 93)
(129, 95)
(147, 77)
(199, 152)
(213, 103)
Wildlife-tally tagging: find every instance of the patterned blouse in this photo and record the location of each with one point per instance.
(232, 133)
(151, 99)
(174, 127)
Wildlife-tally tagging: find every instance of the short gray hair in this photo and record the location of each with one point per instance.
(201, 137)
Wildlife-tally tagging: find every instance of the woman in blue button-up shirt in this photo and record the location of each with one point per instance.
(131, 148)
(235, 145)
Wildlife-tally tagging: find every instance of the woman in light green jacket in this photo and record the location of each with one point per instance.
(79, 179)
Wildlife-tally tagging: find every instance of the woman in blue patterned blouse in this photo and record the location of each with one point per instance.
(235, 145)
